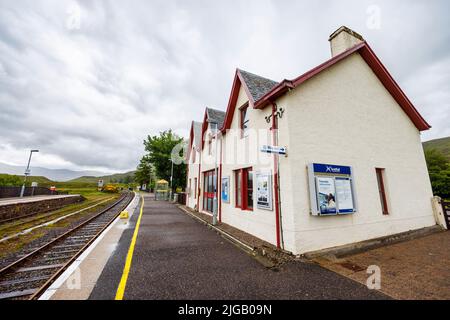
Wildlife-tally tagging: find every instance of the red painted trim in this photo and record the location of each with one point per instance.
(219, 199)
(380, 180)
(394, 89)
(187, 182)
(237, 82)
(236, 184)
(247, 91)
(275, 177)
(232, 102)
(204, 128)
(199, 182)
(375, 64)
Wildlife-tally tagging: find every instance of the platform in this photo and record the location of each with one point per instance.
(176, 257)
(17, 200)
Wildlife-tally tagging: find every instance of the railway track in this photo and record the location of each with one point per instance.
(29, 276)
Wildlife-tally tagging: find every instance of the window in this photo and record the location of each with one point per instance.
(382, 190)
(238, 179)
(244, 188)
(196, 187)
(244, 120)
(194, 154)
(209, 146)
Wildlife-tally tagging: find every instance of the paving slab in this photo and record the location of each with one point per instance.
(413, 269)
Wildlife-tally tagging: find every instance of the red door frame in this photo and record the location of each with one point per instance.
(208, 194)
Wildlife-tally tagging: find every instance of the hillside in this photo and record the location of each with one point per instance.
(442, 145)
(52, 174)
(118, 177)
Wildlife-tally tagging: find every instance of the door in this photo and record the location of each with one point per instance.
(209, 188)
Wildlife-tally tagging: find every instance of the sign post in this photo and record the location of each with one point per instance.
(274, 149)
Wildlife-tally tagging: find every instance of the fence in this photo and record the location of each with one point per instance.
(12, 192)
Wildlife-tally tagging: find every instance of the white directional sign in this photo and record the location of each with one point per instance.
(274, 149)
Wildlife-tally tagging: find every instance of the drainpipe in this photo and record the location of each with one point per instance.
(216, 174)
(198, 180)
(276, 177)
(220, 182)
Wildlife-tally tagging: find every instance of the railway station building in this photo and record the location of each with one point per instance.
(329, 158)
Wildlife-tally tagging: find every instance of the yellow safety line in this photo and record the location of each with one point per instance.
(126, 270)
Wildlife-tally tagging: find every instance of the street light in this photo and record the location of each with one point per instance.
(27, 173)
(217, 180)
(171, 179)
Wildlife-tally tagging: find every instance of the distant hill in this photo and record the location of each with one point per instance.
(52, 174)
(442, 145)
(126, 177)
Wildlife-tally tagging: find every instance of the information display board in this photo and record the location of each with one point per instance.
(331, 189)
(225, 189)
(264, 190)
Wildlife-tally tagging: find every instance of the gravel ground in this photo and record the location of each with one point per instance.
(177, 257)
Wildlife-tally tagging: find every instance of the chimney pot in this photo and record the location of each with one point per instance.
(343, 39)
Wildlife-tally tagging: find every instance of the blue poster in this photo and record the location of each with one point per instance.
(225, 190)
(326, 195)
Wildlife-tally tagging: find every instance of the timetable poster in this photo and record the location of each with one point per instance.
(326, 195)
(344, 195)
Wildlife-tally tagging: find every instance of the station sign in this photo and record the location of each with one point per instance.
(274, 149)
(331, 189)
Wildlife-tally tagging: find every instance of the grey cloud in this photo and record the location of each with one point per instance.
(91, 95)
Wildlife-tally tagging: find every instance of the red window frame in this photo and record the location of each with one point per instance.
(382, 190)
(242, 189)
(243, 124)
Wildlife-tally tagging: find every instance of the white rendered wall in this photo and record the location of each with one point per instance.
(344, 116)
(243, 153)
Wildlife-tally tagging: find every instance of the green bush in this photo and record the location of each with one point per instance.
(7, 180)
(439, 171)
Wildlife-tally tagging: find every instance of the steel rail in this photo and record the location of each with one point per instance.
(47, 284)
(27, 257)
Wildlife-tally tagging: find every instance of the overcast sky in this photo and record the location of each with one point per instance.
(86, 81)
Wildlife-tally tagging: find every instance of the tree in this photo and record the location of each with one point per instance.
(439, 171)
(144, 171)
(159, 150)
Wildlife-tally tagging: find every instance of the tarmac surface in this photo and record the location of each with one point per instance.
(176, 257)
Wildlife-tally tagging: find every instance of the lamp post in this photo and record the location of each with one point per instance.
(216, 176)
(171, 180)
(27, 173)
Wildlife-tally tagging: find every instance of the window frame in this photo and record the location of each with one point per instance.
(380, 173)
(242, 189)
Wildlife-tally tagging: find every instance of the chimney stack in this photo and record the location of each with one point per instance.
(343, 39)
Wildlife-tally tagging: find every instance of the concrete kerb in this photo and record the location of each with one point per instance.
(338, 252)
(57, 284)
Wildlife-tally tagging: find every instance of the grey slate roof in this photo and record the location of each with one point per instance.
(216, 116)
(258, 86)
